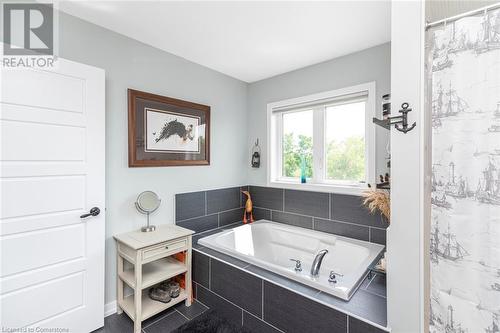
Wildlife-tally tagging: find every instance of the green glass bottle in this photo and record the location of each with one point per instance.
(303, 169)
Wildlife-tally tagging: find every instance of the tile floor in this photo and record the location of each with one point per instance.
(164, 322)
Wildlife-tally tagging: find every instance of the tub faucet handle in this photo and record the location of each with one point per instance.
(298, 265)
(333, 276)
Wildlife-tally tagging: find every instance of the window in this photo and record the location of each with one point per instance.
(297, 143)
(345, 141)
(326, 137)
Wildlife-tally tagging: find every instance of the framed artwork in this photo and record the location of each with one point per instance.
(164, 131)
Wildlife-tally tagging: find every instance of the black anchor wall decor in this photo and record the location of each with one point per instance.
(400, 122)
(403, 119)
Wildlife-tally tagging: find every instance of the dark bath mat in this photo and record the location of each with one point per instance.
(209, 322)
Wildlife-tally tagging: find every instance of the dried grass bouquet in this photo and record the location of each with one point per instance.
(378, 200)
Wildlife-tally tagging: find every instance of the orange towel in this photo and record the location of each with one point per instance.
(181, 279)
(181, 256)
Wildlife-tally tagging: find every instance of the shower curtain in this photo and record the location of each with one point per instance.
(463, 90)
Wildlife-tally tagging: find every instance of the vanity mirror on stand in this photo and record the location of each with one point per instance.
(147, 202)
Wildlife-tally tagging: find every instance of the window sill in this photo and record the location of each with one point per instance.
(330, 188)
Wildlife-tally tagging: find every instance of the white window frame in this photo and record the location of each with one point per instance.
(319, 181)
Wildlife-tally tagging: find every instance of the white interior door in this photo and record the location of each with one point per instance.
(52, 171)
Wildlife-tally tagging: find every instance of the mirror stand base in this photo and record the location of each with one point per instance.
(148, 228)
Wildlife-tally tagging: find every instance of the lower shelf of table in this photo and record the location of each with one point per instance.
(149, 306)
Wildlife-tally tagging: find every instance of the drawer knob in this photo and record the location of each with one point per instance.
(166, 247)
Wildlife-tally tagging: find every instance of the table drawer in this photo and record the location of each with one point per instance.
(163, 249)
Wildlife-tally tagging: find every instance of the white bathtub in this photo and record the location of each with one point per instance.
(271, 245)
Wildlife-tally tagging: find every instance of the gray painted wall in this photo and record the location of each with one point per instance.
(131, 64)
(373, 64)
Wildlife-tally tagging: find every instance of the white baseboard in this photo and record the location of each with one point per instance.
(109, 308)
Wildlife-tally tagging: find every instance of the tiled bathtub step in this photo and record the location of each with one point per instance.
(240, 289)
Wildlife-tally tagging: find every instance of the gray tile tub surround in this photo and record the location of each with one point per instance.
(206, 210)
(308, 203)
(262, 301)
(349, 208)
(338, 214)
(267, 197)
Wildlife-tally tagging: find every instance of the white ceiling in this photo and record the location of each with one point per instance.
(246, 40)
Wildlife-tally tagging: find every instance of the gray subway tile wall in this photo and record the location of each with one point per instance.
(207, 210)
(223, 199)
(368, 305)
(292, 219)
(339, 214)
(315, 204)
(358, 326)
(293, 313)
(342, 229)
(236, 286)
(349, 208)
(199, 224)
(261, 214)
(230, 217)
(201, 269)
(378, 236)
(267, 197)
(283, 281)
(189, 205)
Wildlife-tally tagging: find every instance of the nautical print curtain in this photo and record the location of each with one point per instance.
(463, 70)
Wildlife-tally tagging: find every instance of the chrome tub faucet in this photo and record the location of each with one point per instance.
(316, 265)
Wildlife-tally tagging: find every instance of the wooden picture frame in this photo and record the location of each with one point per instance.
(164, 131)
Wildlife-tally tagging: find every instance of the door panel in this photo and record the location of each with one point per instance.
(39, 276)
(44, 89)
(42, 142)
(58, 296)
(38, 115)
(52, 171)
(66, 243)
(68, 193)
(38, 222)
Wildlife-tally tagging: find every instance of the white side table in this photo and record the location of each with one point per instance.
(150, 253)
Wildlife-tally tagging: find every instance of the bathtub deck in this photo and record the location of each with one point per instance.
(368, 304)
